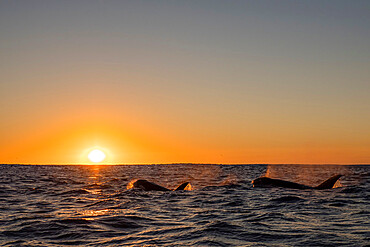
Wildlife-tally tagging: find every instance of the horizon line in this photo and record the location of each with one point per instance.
(179, 163)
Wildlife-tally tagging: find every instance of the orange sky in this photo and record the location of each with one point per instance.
(192, 83)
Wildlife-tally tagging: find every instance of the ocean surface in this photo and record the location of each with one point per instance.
(94, 206)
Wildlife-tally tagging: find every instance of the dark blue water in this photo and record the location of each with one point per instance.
(91, 206)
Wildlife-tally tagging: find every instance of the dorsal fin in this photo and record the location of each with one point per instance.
(182, 186)
(329, 183)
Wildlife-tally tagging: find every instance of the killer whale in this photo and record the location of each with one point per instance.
(149, 186)
(272, 182)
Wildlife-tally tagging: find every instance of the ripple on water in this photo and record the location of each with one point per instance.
(120, 224)
(66, 206)
(287, 199)
(74, 192)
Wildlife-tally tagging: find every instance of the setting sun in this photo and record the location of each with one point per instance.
(96, 156)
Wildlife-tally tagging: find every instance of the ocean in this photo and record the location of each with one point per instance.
(46, 205)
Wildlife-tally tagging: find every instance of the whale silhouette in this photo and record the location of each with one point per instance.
(149, 186)
(272, 182)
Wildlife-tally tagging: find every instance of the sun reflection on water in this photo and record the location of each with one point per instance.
(337, 184)
(92, 213)
(130, 185)
(188, 187)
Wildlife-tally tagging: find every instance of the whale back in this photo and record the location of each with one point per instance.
(272, 182)
(148, 186)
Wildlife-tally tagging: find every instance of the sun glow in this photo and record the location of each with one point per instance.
(96, 156)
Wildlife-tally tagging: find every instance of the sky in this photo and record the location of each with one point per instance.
(185, 81)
